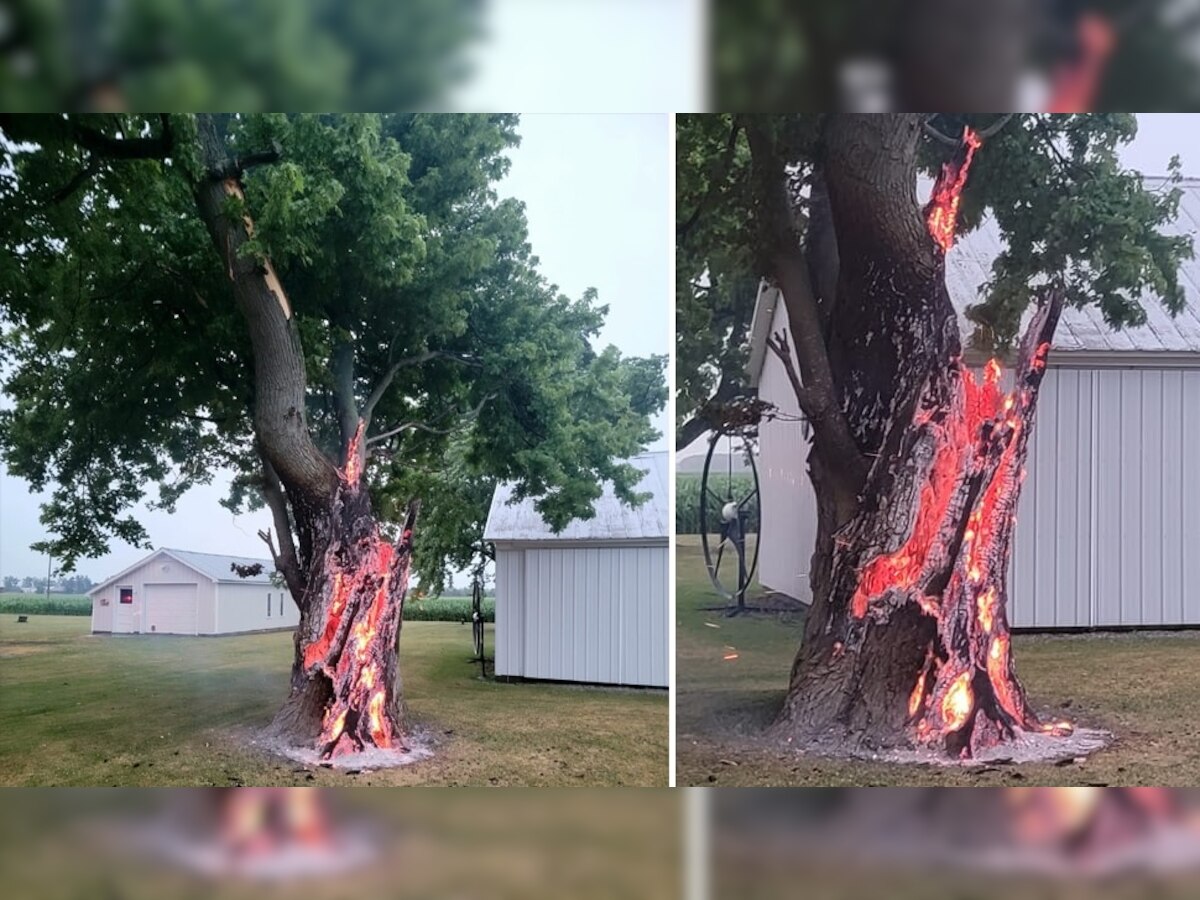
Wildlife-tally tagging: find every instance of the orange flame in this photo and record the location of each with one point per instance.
(353, 470)
(997, 669)
(918, 694)
(958, 702)
(942, 215)
(987, 609)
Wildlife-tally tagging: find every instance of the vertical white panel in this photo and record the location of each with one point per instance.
(1109, 514)
(1172, 548)
(789, 508)
(1190, 479)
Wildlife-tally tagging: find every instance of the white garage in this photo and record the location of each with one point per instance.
(1108, 528)
(589, 604)
(182, 592)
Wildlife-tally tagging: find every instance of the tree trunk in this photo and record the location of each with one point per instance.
(348, 582)
(345, 692)
(907, 641)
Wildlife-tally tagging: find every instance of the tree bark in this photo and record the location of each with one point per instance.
(906, 641)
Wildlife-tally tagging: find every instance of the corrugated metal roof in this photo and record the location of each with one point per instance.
(217, 566)
(969, 266)
(614, 521)
(212, 565)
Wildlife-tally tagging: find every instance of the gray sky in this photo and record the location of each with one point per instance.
(597, 55)
(597, 194)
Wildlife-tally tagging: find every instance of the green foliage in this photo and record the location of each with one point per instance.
(129, 363)
(687, 500)
(447, 609)
(269, 54)
(38, 605)
(1067, 211)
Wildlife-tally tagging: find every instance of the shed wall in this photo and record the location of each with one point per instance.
(788, 505)
(158, 569)
(587, 614)
(243, 607)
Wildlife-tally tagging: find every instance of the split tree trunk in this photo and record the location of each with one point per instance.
(348, 582)
(907, 640)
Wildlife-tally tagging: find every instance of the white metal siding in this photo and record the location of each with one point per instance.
(588, 614)
(243, 607)
(788, 505)
(170, 608)
(510, 612)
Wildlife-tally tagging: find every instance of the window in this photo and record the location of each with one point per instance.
(126, 595)
(268, 606)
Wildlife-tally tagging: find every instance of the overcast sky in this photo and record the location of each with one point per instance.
(605, 56)
(597, 195)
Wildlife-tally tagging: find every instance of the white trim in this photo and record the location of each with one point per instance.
(550, 543)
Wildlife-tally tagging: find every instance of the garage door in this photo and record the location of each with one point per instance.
(171, 608)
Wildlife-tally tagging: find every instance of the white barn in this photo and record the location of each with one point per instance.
(181, 592)
(589, 604)
(1108, 527)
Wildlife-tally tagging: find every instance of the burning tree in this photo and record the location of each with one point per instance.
(337, 307)
(916, 461)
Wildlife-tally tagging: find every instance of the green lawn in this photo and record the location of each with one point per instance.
(1143, 687)
(78, 709)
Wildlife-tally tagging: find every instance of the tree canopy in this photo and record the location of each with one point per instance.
(1069, 213)
(416, 294)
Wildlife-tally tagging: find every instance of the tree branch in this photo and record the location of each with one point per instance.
(787, 263)
(285, 558)
(421, 426)
(984, 134)
(390, 375)
(235, 167)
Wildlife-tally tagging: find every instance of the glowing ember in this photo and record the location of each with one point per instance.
(255, 820)
(987, 609)
(354, 645)
(917, 695)
(354, 453)
(958, 703)
(941, 215)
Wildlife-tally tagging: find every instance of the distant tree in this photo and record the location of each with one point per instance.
(337, 307)
(11, 582)
(27, 582)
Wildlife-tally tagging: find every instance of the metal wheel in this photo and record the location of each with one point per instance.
(477, 617)
(728, 516)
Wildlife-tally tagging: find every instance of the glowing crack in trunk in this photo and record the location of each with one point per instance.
(353, 643)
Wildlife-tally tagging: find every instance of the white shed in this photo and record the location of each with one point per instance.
(181, 592)
(1108, 527)
(589, 604)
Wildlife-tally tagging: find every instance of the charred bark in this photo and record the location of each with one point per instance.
(906, 642)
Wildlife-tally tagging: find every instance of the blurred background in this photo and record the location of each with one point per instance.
(378, 55)
(918, 843)
(601, 55)
(319, 843)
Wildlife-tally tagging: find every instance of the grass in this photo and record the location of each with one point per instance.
(78, 709)
(1143, 687)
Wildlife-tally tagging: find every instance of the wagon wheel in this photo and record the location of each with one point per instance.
(727, 516)
(477, 618)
